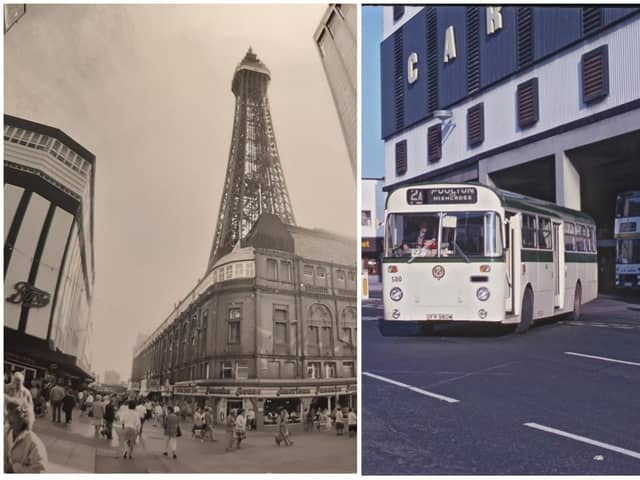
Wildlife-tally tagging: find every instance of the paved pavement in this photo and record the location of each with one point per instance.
(73, 449)
(488, 401)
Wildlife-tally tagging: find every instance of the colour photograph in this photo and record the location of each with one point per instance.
(500, 239)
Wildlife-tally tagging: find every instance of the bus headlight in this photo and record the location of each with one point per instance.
(395, 294)
(482, 313)
(483, 294)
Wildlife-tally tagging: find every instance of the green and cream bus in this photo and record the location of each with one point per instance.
(471, 253)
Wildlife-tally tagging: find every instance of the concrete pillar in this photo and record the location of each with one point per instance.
(567, 182)
(483, 174)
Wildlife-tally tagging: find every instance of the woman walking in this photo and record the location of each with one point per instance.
(283, 429)
(24, 451)
(172, 432)
(240, 432)
(339, 421)
(97, 414)
(130, 419)
(230, 425)
(109, 417)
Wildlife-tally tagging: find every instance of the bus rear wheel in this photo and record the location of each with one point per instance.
(575, 315)
(526, 315)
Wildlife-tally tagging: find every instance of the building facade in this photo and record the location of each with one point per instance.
(544, 101)
(372, 224)
(336, 39)
(273, 321)
(272, 325)
(48, 253)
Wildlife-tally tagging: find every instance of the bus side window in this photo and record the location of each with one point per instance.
(528, 231)
(507, 230)
(569, 237)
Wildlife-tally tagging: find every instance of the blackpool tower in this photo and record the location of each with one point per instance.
(254, 182)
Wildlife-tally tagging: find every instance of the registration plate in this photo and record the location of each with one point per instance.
(439, 316)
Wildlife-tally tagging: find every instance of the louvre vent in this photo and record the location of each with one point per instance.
(595, 75)
(473, 49)
(398, 78)
(432, 59)
(434, 143)
(524, 36)
(475, 125)
(591, 19)
(528, 103)
(397, 13)
(401, 157)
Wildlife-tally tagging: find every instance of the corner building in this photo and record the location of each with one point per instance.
(273, 324)
(48, 253)
(543, 101)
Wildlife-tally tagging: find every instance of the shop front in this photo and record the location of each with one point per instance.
(266, 401)
(371, 254)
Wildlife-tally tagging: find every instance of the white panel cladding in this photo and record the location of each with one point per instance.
(12, 196)
(47, 278)
(373, 201)
(50, 166)
(389, 26)
(22, 255)
(69, 270)
(560, 102)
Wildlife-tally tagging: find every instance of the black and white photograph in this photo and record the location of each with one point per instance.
(180, 216)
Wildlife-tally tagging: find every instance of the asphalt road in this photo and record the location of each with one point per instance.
(492, 383)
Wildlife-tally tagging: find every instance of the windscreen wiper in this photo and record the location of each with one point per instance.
(464, 255)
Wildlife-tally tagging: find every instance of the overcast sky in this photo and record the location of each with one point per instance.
(147, 89)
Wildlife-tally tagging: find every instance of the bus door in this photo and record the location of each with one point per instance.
(558, 265)
(513, 245)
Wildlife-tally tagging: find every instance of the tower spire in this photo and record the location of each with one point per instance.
(254, 181)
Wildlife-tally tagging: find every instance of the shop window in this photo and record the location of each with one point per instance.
(308, 271)
(233, 326)
(242, 372)
(330, 370)
(285, 272)
(226, 370)
(313, 370)
(340, 275)
(273, 406)
(272, 269)
(544, 233)
(528, 231)
(349, 370)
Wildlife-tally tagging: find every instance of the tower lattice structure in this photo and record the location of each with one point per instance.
(254, 182)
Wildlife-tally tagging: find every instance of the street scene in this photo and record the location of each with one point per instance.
(177, 300)
(500, 234)
(74, 448)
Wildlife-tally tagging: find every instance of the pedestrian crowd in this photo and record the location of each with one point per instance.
(120, 420)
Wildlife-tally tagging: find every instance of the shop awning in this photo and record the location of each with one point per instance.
(24, 348)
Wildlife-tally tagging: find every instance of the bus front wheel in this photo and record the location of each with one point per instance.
(577, 304)
(526, 315)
